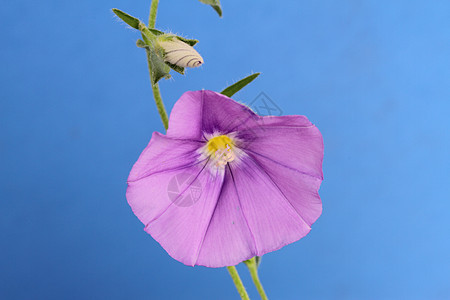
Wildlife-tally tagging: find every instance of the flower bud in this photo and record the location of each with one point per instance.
(179, 53)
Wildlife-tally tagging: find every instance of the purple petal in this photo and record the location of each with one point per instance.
(161, 160)
(186, 117)
(181, 229)
(270, 216)
(290, 150)
(296, 147)
(253, 215)
(284, 121)
(228, 240)
(301, 190)
(201, 112)
(173, 194)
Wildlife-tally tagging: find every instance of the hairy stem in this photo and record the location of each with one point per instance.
(155, 87)
(238, 283)
(153, 11)
(159, 104)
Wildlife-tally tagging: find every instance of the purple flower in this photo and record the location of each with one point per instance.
(224, 184)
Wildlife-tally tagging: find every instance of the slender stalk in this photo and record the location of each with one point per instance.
(160, 105)
(152, 16)
(238, 283)
(155, 87)
(253, 268)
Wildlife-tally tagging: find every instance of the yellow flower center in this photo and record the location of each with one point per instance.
(220, 149)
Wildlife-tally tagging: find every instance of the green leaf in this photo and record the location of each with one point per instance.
(234, 88)
(215, 4)
(132, 21)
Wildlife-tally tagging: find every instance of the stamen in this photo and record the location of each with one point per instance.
(220, 149)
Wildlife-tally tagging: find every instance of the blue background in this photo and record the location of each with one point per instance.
(76, 110)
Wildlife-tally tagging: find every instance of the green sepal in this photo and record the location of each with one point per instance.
(253, 262)
(234, 88)
(141, 44)
(130, 20)
(147, 35)
(215, 4)
(156, 31)
(159, 69)
(176, 68)
(190, 42)
(258, 260)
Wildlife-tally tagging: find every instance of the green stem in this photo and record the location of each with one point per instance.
(152, 17)
(155, 87)
(253, 268)
(238, 283)
(159, 104)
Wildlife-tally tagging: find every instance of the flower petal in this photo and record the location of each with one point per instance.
(284, 121)
(180, 229)
(228, 240)
(301, 190)
(252, 217)
(290, 150)
(160, 161)
(272, 219)
(296, 147)
(205, 112)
